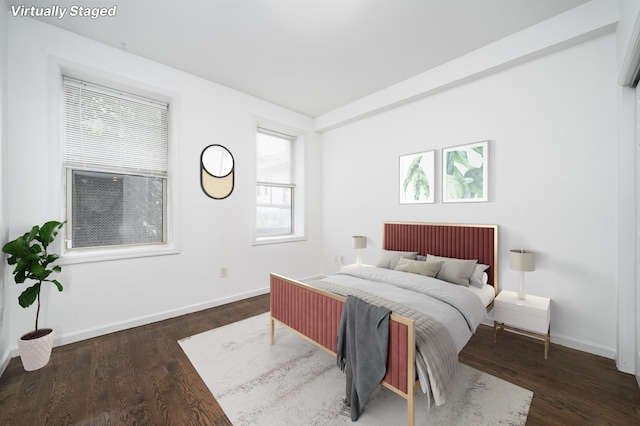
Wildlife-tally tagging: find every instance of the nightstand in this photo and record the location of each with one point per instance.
(530, 316)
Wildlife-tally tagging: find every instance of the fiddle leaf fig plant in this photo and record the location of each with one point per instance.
(29, 253)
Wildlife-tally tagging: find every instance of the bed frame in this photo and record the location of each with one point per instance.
(315, 314)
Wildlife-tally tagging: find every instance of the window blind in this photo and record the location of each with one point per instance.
(274, 153)
(103, 128)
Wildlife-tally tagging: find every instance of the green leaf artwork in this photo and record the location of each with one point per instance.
(416, 178)
(465, 173)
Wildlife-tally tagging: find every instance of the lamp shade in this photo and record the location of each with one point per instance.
(522, 260)
(359, 242)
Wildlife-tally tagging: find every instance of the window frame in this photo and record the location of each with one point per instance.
(298, 231)
(171, 244)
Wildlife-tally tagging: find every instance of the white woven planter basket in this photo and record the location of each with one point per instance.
(35, 353)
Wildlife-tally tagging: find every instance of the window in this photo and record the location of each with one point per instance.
(115, 156)
(275, 187)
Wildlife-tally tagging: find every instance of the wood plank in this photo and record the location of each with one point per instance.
(570, 387)
(142, 376)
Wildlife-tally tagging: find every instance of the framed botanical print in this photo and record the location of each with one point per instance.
(417, 174)
(465, 173)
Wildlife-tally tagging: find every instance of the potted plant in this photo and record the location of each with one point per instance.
(33, 262)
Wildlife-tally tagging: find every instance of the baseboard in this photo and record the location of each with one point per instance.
(584, 346)
(4, 361)
(65, 339)
(580, 345)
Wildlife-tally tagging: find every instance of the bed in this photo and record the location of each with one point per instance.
(313, 309)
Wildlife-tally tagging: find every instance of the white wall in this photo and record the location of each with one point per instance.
(104, 296)
(552, 123)
(4, 318)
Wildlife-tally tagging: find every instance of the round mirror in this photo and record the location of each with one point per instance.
(217, 160)
(216, 171)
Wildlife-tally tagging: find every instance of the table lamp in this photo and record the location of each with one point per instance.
(523, 261)
(359, 242)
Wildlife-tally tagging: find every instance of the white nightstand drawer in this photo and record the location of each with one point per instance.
(531, 314)
(537, 324)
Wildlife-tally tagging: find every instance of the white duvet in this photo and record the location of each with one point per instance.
(454, 306)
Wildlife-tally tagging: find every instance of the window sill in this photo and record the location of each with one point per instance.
(279, 239)
(103, 255)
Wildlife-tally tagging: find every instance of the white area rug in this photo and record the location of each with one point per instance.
(293, 382)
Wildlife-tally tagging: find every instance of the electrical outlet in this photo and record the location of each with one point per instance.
(224, 272)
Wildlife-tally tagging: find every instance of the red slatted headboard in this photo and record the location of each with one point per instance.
(449, 240)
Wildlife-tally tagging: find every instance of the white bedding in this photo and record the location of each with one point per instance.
(446, 316)
(487, 293)
(407, 289)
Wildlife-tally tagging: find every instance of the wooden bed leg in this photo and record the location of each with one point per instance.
(411, 409)
(272, 337)
(547, 338)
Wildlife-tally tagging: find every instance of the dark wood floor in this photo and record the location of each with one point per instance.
(141, 376)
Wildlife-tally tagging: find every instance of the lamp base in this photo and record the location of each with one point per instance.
(522, 291)
(358, 260)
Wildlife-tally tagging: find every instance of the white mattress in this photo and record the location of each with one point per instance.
(486, 293)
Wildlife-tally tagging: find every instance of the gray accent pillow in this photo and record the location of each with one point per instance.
(478, 275)
(429, 269)
(455, 271)
(389, 258)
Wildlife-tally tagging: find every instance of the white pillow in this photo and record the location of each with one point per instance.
(389, 258)
(479, 277)
(455, 271)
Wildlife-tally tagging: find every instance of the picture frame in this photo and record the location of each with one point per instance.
(417, 178)
(465, 173)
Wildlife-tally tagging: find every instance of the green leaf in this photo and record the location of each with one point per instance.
(39, 272)
(31, 235)
(48, 232)
(455, 188)
(411, 171)
(13, 248)
(475, 185)
(425, 183)
(57, 283)
(417, 184)
(457, 160)
(50, 259)
(453, 158)
(29, 296)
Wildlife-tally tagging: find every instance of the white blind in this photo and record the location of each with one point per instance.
(274, 152)
(105, 128)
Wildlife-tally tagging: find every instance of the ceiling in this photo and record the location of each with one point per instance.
(310, 56)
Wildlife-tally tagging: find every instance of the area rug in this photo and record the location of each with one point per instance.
(293, 382)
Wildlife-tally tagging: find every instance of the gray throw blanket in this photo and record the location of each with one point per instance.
(436, 356)
(363, 344)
